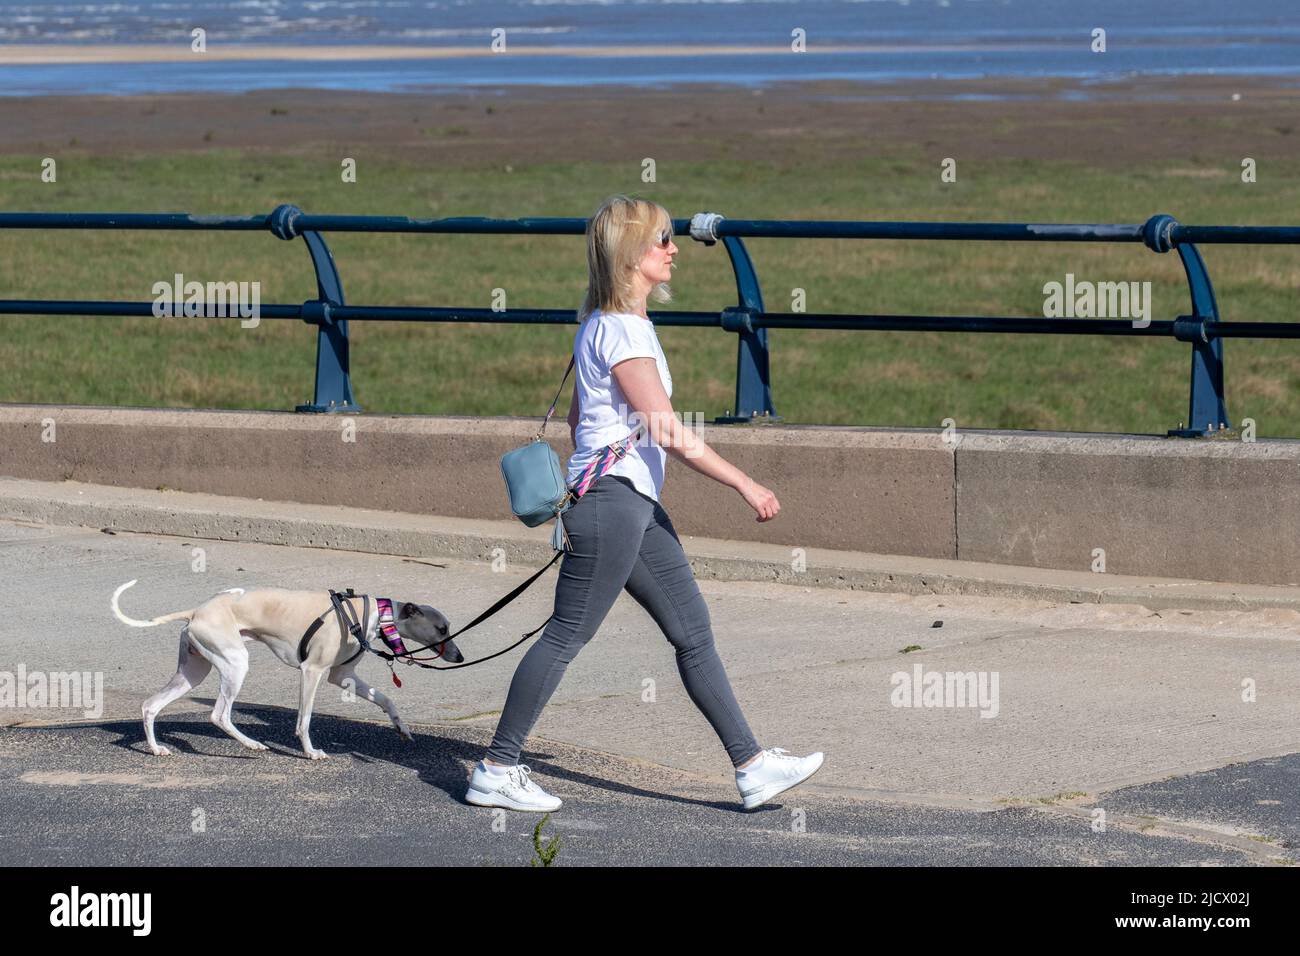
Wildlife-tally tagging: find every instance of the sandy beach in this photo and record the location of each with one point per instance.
(1124, 124)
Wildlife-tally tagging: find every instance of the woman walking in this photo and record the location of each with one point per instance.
(619, 534)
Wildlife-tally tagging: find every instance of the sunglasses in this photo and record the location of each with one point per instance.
(665, 238)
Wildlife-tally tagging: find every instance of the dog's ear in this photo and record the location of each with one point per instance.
(411, 610)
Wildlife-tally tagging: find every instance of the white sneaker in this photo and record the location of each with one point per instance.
(512, 790)
(778, 772)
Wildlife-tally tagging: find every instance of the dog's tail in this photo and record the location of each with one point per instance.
(117, 611)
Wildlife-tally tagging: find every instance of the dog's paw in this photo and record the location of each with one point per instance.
(254, 745)
(161, 751)
(317, 755)
(405, 733)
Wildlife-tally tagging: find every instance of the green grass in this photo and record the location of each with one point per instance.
(1081, 383)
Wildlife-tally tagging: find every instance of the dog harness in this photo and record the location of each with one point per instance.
(349, 624)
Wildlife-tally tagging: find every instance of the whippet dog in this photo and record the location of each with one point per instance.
(216, 631)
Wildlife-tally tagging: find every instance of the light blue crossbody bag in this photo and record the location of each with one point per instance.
(535, 480)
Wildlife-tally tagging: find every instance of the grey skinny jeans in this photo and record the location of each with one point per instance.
(623, 539)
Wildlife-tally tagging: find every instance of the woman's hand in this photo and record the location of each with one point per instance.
(760, 499)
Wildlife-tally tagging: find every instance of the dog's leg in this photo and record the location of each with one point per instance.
(311, 675)
(190, 671)
(232, 665)
(341, 675)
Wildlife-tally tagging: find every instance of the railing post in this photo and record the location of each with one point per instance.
(753, 376)
(333, 372)
(1206, 410)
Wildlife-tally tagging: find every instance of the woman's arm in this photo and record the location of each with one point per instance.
(638, 378)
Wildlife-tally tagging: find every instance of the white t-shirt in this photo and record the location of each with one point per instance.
(604, 415)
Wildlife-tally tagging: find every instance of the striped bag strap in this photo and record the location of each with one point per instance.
(609, 456)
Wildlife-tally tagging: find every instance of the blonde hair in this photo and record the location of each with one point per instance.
(618, 236)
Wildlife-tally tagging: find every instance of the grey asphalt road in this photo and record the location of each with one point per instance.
(1180, 728)
(90, 795)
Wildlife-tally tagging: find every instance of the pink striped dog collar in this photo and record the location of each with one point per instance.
(387, 627)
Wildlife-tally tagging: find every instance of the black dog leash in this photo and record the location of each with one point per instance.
(348, 623)
(409, 657)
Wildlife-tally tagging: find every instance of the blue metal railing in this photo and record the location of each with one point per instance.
(1202, 328)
